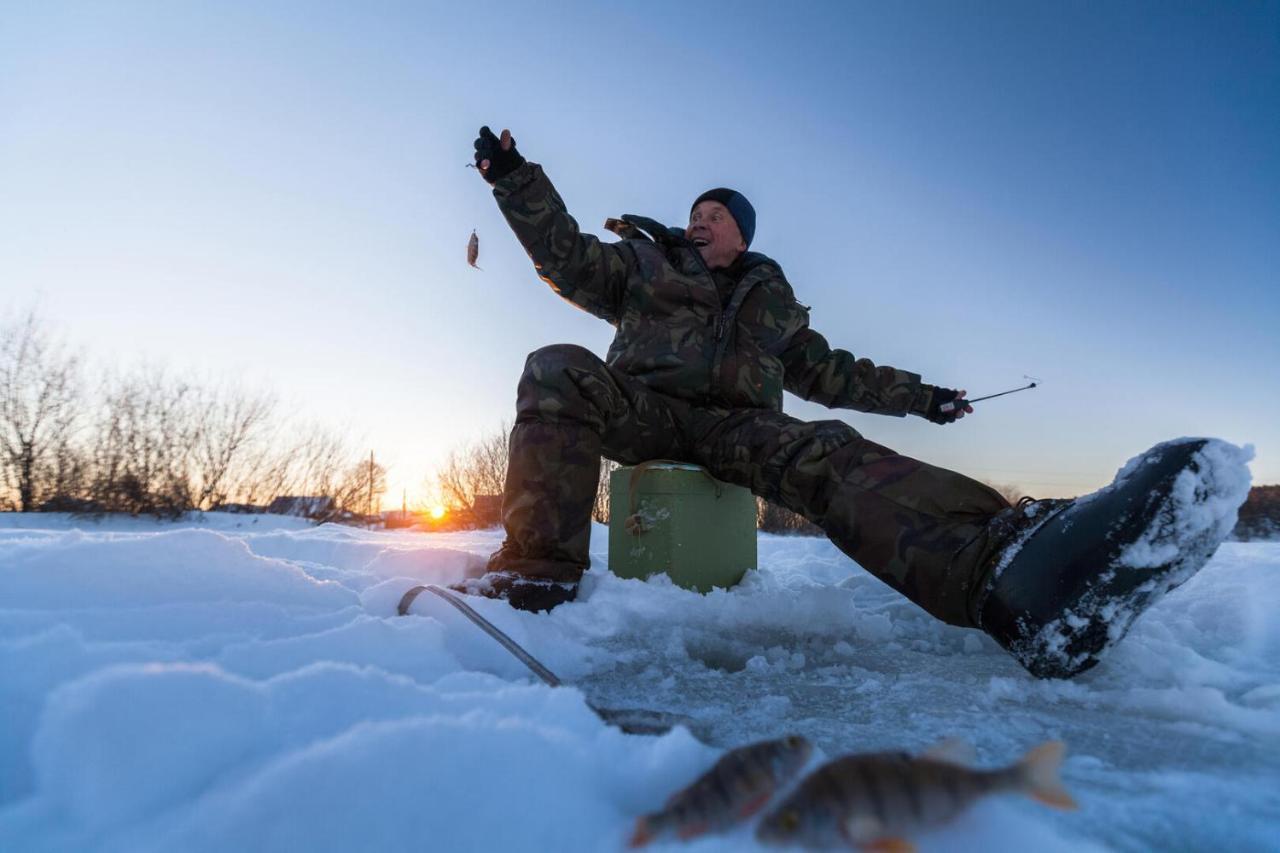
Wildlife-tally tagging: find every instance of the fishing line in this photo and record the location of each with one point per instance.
(640, 721)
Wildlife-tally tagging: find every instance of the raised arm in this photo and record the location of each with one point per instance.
(577, 266)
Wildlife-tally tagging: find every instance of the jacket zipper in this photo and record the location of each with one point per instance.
(722, 317)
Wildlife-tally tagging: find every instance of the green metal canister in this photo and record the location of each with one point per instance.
(676, 518)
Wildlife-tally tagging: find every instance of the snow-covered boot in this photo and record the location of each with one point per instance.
(1076, 573)
(520, 591)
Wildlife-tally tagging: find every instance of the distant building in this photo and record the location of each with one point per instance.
(303, 507)
(239, 509)
(399, 518)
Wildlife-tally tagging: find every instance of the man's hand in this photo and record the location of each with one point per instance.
(947, 406)
(496, 157)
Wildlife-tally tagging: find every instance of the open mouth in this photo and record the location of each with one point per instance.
(701, 241)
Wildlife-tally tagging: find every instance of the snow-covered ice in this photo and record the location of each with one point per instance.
(241, 682)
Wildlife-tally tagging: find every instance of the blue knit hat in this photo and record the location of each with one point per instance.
(739, 208)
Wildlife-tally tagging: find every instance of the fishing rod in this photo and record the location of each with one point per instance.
(951, 407)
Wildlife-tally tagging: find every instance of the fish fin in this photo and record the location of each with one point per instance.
(642, 834)
(693, 830)
(890, 845)
(953, 750)
(861, 829)
(754, 805)
(1039, 773)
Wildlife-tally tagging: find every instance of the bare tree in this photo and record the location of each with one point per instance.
(296, 460)
(361, 490)
(229, 423)
(600, 511)
(8, 490)
(479, 468)
(775, 518)
(39, 405)
(142, 448)
(68, 474)
(1008, 491)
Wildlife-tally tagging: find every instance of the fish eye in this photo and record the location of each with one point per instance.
(790, 820)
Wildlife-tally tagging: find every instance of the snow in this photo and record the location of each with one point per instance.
(1202, 503)
(233, 682)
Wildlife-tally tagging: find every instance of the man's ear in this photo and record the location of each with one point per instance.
(742, 246)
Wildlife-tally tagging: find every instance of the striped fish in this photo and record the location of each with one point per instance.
(874, 801)
(736, 787)
(473, 250)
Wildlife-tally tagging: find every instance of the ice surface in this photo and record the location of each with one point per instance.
(220, 684)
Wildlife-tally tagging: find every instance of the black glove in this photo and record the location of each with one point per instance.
(501, 162)
(941, 397)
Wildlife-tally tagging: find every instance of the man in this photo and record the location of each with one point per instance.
(709, 334)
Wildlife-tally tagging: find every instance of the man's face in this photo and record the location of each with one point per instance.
(714, 231)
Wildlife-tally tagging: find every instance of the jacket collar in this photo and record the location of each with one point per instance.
(669, 237)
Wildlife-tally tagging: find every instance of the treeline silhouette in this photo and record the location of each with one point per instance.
(1260, 515)
(149, 442)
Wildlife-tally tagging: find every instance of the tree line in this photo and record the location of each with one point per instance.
(1260, 515)
(150, 442)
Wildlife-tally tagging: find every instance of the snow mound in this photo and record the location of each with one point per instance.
(130, 570)
(213, 689)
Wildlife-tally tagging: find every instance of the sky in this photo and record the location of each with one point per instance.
(1083, 193)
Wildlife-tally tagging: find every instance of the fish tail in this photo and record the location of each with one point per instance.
(1038, 775)
(642, 834)
(952, 751)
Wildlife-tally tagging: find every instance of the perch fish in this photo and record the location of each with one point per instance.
(736, 787)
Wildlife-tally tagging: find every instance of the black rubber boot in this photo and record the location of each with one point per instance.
(520, 591)
(1070, 585)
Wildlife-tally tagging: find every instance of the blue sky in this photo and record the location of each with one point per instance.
(1086, 193)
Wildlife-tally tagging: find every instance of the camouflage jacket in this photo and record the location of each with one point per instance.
(674, 333)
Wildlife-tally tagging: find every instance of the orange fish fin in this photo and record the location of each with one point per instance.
(693, 830)
(754, 805)
(1039, 769)
(953, 750)
(890, 845)
(642, 835)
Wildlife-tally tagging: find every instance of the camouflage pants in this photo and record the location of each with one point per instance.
(919, 528)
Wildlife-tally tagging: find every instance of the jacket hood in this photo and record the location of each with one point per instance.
(633, 227)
